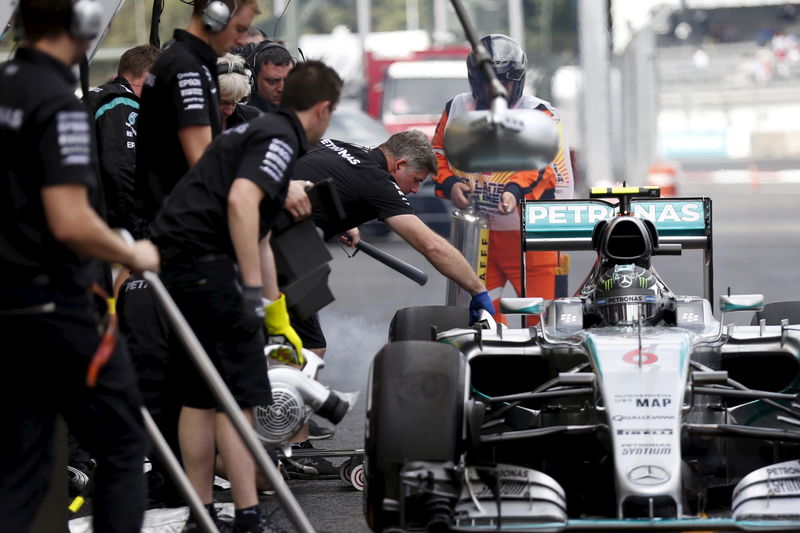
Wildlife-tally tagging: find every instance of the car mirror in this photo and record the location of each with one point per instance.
(741, 302)
(521, 306)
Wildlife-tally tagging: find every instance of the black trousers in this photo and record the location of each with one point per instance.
(155, 351)
(44, 360)
(208, 293)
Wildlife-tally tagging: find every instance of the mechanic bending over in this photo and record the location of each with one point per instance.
(48, 321)
(372, 183)
(213, 233)
(499, 193)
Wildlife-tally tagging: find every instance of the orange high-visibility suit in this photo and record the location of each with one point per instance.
(555, 181)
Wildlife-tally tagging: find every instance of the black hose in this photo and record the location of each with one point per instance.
(394, 263)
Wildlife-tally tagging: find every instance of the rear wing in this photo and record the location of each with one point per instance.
(567, 225)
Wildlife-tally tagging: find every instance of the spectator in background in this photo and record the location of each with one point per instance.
(235, 84)
(271, 63)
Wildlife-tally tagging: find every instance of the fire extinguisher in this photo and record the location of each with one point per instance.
(469, 233)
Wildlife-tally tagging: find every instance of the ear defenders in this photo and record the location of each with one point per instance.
(260, 49)
(216, 15)
(85, 20)
(230, 68)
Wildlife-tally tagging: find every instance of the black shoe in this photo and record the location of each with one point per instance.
(318, 432)
(79, 476)
(255, 524)
(308, 467)
(193, 527)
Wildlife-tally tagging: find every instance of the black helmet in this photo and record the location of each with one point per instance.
(509, 63)
(626, 293)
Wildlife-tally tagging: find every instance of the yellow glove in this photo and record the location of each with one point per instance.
(280, 331)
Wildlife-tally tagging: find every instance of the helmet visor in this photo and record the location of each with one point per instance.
(511, 74)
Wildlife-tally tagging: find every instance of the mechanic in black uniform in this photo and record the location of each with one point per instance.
(180, 100)
(48, 320)
(178, 117)
(115, 108)
(372, 183)
(213, 232)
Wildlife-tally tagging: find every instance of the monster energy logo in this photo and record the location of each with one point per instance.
(643, 282)
(607, 284)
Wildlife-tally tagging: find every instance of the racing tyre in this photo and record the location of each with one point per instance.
(777, 311)
(414, 323)
(416, 413)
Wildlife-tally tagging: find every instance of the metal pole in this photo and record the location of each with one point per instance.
(178, 475)
(593, 32)
(516, 22)
(412, 14)
(439, 20)
(228, 404)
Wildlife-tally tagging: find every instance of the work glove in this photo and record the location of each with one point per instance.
(479, 301)
(280, 331)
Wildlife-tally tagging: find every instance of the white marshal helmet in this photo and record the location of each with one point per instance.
(509, 62)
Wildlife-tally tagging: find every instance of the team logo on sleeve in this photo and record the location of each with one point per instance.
(74, 143)
(190, 90)
(276, 159)
(402, 195)
(343, 153)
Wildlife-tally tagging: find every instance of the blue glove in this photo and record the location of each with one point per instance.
(479, 301)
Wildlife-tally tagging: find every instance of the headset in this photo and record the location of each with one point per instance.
(230, 68)
(217, 15)
(260, 48)
(85, 20)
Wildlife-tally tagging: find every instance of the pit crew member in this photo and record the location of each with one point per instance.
(114, 106)
(51, 237)
(213, 233)
(372, 183)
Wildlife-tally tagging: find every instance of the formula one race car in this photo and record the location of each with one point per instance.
(626, 407)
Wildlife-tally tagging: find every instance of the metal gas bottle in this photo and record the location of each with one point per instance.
(469, 233)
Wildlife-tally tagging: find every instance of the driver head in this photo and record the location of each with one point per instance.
(627, 293)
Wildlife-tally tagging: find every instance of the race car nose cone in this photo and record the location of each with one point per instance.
(501, 139)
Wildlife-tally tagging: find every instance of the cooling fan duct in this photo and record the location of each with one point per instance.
(295, 396)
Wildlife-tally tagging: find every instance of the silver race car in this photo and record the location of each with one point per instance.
(625, 407)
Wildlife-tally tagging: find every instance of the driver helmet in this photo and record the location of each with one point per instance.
(626, 293)
(509, 63)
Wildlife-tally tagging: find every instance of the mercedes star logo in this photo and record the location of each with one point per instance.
(625, 280)
(648, 475)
